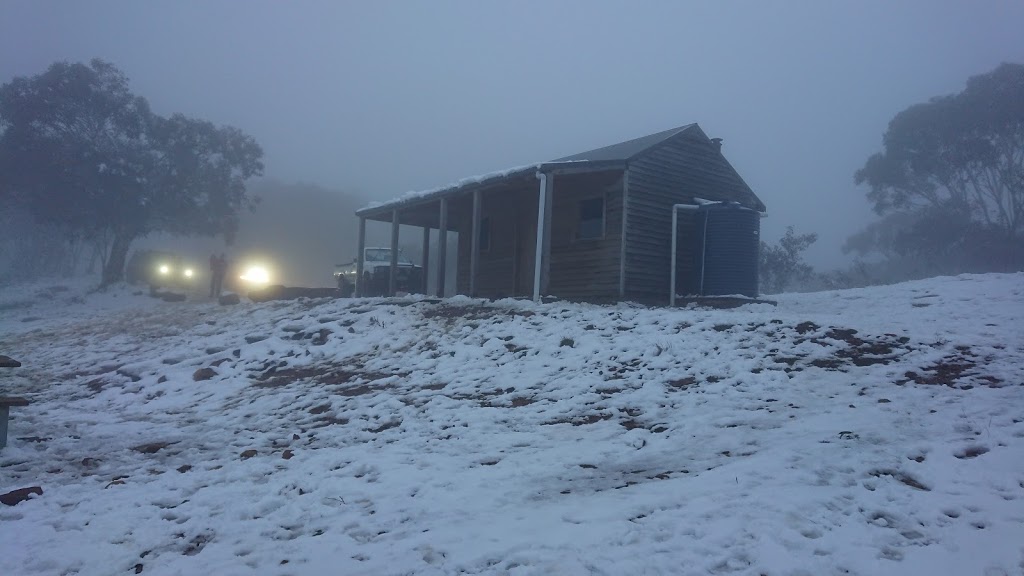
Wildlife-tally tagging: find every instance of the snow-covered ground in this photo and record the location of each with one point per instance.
(873, 431)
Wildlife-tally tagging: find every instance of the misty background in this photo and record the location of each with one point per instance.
(355, 102)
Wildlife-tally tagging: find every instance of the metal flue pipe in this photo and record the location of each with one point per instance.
(539, 254)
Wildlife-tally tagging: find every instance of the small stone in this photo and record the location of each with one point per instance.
(248, 454)
(172, 297)
(287, 454)
(203, 374)
(152, 447)
(161, 380)
(184, 468)
(229, 299)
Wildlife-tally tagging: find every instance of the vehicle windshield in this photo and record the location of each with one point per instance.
(384, 255)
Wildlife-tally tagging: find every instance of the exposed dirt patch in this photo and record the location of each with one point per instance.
(903, 477)
(579, 420)
(618, 372)
(104, 369)
(971, 452)
(805, 327)
(359, 390)
(152, 447)
(957, 370)
(196, 544)
(867, 350)
(385, 426)
(328, 374)
(96, 384)
(472, 312)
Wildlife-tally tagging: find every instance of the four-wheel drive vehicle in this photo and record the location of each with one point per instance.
(376, 267)
(160, 270)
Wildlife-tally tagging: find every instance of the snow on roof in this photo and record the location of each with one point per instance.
(479, 179)
(616, 152)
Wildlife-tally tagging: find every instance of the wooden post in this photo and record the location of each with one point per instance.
(4, 415)
(360, 259)
(442, 247)
(425, 263)
(393, 270)
(474, 256)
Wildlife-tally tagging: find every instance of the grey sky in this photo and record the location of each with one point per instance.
(381, 97)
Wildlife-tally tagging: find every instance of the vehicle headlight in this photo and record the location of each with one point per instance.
(188, 272)
(164, 269)
(256, 275)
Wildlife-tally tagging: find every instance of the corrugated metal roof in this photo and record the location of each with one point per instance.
(597, 158)
(625, 150)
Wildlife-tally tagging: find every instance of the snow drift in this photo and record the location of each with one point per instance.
(872, 431)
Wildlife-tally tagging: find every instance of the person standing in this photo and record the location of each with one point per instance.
(218, 268)
(215, 280)
(225, 264)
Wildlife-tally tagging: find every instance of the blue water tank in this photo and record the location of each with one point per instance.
(731, 240)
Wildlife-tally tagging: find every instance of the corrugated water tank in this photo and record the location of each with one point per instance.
(731, 240)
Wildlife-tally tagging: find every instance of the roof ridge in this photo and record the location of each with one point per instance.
(627, 149)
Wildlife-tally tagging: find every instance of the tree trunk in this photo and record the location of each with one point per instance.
(113, 268)
(95, 257)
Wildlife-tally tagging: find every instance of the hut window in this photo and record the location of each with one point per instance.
(591, 222)
(485, 234)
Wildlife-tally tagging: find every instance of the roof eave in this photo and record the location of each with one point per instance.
(578, 166)
(552, 168)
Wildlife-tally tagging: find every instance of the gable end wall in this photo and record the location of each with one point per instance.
(674, 172)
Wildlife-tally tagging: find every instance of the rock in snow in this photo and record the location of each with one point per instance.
(203, 374)
(15, 497)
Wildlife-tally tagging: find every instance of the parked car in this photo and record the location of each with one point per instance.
(376, 268)
(161, 270)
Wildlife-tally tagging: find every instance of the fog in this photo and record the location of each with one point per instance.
(372, 99)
